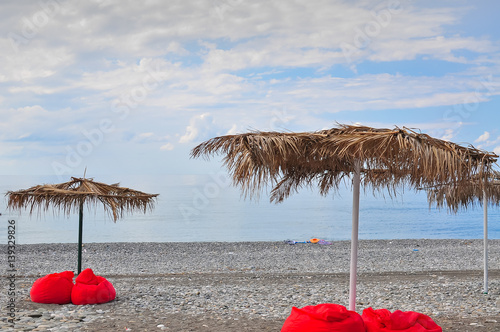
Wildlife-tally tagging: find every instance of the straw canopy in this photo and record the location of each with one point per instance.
(469, 193)
(381, 158)
(388, 157)
(466, 194)
(69, 196)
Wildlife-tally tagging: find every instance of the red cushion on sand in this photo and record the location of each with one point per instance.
(322, 318)
(92, 289)
(53, 288)
(381, 320)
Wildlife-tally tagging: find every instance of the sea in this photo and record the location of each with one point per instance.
(208, 208)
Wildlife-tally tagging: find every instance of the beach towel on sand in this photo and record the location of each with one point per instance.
(381, 320)
(53, 288)
(92, 289)
(325, 317)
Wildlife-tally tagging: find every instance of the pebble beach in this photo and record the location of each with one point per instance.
(252, 286)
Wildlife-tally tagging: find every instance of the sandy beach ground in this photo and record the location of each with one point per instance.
(252, 286)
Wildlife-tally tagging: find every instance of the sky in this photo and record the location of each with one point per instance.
(129, 87)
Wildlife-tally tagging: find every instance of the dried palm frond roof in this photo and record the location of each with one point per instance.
(465, 194)
(70, 195)
(389, 157)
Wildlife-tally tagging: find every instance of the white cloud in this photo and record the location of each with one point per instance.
(486, 141)
(184, 71)
(448, 135)
(167, 147)
(48, 128)
(437, 47)
(497, 150)
(198, 125)
(23, 122)
(33, 63)
(143, 137)
(376, 92)
(261, 34)
(125, 78)
(152, 139)
(216, 84)
(484, 137)
(233, 130)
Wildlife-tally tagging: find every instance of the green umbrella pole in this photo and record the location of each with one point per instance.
(80, 231)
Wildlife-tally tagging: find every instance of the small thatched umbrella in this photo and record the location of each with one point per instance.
(71, 196)
(386, 158)
(463, 195)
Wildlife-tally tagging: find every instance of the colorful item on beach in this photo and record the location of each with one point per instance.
(53, 288)
(382, 320)
(314, 240)
(326, 317)
(92, 289)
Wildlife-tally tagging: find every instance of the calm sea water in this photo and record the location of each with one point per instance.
(207, 208)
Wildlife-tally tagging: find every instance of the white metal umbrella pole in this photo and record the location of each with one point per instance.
(354, 236)
(485, 212)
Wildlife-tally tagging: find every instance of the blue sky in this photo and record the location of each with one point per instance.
(123, 87)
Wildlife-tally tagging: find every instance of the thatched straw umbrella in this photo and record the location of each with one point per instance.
(71, 196)
(470, 193)
(463, 195)
(380, 158)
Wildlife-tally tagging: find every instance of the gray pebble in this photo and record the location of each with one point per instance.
(259, 279)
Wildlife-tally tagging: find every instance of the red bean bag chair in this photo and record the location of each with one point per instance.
(92, 289)
(325, 317)
(53, 288)
(381, 320)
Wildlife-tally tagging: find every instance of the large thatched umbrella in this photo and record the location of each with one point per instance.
(467, 194)
(380, 158)
(463, 195)
(71, 196)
